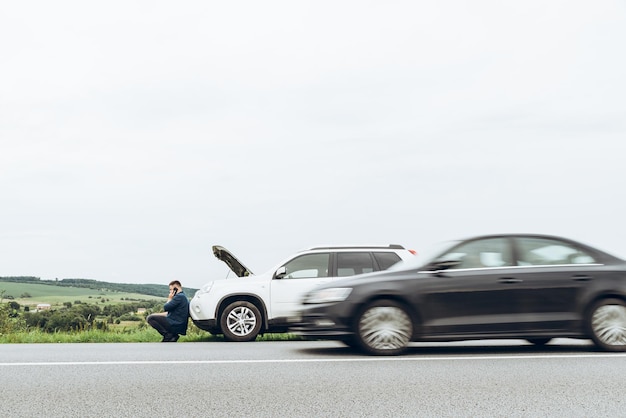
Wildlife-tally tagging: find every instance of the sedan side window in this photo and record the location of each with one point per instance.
(490, 252)
(308, 266)
(541, 251)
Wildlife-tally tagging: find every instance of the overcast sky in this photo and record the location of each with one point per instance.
(134, 135)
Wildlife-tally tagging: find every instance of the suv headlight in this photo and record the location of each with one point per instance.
(204, 289)
(329, 295)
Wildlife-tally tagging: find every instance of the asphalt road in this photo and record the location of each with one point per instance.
(312, 379)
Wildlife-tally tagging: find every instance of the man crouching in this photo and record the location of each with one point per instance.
(173, 322)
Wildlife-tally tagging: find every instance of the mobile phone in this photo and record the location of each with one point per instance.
(175, 291)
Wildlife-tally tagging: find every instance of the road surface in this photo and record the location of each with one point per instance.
(567, 378)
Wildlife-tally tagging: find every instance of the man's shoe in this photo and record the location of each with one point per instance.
(170, 338)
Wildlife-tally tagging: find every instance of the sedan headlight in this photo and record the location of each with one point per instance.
(329, 295)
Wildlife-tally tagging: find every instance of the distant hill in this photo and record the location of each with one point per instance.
(158, 290)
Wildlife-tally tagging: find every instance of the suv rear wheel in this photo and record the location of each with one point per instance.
(384, 327)
(241, 321)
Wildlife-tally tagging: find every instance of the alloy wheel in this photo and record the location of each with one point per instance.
(385, 329)
(241, 321)
(608, 324)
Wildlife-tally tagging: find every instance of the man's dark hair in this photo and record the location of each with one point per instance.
(175, 283)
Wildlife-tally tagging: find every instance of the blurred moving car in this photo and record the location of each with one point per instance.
(534, 287)
(242, 307)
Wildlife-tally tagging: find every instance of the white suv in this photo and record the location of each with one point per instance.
(242, 307)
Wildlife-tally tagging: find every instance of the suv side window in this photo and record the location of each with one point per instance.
(349, 264)
(386, 259)
(308, 266)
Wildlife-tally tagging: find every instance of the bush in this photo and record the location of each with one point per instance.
(130, 317)
(75, 318)
(10, 320)
(70, 318)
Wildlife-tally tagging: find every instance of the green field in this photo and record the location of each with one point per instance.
(57, 295)
(116, 331)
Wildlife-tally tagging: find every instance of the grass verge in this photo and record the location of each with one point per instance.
(121, 335)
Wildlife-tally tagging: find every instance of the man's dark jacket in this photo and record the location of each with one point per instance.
(178, 313)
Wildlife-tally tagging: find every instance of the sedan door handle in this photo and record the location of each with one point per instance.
(509, 280)
(581, 278)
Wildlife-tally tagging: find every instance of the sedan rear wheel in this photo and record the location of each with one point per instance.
(350, 342)
(607, 323)
(384, 328)
(241, 321)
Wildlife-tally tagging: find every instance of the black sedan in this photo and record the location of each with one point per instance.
(534, 287)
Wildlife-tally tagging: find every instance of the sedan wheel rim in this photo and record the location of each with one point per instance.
(609, 324)
(241, 321)
(385, 328)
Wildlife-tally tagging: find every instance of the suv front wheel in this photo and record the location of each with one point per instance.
(241, 321)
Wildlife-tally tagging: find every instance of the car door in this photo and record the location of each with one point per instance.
(552, 275)
(476, 295)
(294, 279)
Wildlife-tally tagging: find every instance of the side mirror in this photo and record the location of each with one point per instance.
(443, 265)
(280, 273)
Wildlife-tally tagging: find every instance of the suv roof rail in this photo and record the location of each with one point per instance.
(342, 247)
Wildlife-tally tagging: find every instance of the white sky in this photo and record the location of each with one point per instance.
(134, 135)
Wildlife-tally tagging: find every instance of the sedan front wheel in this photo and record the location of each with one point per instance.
(384, 328)
(607, 323)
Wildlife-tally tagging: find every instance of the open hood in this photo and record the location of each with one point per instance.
(231, 261)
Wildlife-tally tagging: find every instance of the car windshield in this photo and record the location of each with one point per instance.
(424, 257)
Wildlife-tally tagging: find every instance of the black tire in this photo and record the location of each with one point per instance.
(350, 342)
(241, 321)
(539, 341)
(607, 324)
(384, 328)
